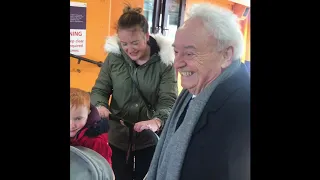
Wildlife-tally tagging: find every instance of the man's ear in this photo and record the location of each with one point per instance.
(227, 57)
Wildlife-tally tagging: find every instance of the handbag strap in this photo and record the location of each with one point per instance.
(146, 102)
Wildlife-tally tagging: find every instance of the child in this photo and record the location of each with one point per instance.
(86, 127)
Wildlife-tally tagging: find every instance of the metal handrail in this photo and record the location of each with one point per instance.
(80, 58)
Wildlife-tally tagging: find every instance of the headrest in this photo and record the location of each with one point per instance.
(86, 164)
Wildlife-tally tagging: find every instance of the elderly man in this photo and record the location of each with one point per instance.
(207, 135)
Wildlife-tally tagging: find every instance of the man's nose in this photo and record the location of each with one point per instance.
(178, 62)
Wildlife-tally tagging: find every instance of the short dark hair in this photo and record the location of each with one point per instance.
(131, 17)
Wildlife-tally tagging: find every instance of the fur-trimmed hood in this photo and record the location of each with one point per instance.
(166, 52)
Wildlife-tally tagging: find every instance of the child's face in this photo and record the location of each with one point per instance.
(78, 118)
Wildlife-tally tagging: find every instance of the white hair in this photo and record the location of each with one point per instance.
(223, 24)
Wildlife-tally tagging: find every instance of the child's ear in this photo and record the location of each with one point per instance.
(89, 112)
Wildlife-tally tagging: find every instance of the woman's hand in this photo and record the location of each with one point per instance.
(153, 124)
(103, 112)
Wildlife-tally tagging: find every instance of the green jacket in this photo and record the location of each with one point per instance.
(156, 79)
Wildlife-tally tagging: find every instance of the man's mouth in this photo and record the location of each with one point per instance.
(186, 73)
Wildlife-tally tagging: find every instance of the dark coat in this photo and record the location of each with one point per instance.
(219, 148)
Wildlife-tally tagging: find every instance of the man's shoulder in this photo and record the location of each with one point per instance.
(236, 88)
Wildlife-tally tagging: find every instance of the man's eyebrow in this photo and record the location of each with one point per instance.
(187, 47)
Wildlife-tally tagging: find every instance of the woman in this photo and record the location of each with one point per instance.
(86, 127)
(136, 60)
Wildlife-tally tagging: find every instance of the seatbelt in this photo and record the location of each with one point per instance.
(131, 143)
(131, 151)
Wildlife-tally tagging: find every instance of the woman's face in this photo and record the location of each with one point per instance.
(134, 42)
